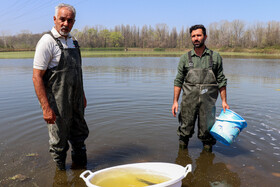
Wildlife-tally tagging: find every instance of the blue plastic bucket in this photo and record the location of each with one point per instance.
(227, 127)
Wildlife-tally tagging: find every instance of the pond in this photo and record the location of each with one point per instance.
(130, 120)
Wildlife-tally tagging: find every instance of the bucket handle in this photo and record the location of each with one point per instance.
(233, 120)
(188, 169)
(82, 175)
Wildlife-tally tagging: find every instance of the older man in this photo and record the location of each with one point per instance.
(58, 83)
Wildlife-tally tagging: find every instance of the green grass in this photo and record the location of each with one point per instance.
(16, 55)
(148, 53)
(104, 49)
(249, 55)
(130, 54)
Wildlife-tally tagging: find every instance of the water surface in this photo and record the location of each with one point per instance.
(130, 120)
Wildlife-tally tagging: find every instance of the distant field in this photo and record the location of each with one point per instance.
(130, 53)
(145, 53)
(16, 54)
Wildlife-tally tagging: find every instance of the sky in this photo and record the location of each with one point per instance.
(36, 16)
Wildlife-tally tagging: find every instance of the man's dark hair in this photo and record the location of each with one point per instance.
(195, 27)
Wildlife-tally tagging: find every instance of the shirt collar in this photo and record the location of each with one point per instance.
(206, 51)
(57, 35)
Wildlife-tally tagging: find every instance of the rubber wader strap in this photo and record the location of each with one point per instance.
(76, 44)
(190, 59)
(57, 41)
(211, 59)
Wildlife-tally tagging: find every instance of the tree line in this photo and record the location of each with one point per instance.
(223, 34)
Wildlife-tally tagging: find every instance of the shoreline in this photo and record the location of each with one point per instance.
(150, 53)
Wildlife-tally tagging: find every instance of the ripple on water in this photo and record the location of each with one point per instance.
(268, 116)
(251, 133)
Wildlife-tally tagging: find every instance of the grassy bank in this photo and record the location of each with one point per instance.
(16, 55)
(137, 52)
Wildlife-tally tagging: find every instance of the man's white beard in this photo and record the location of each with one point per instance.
(63, 33)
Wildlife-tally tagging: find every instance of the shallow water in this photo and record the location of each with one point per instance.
(130, 120)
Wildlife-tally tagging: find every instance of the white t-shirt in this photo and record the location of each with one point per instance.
(47, 54)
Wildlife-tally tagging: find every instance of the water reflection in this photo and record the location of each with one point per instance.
(205, 171)
(129, 67)
(117, 155)
(71, 178)
(60, 178)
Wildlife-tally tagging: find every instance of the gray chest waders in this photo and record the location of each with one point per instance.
(64, 88)
(200, 92)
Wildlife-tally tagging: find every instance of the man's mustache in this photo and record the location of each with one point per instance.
(64, 27)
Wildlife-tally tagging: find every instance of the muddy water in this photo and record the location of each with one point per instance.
(130, 120)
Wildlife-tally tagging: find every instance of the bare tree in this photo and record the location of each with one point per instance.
(214, 35)
(161, 34)
(223, 34)
(272, 33)
(238, 31)
(172, 43)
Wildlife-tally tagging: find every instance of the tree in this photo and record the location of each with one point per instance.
(214, 35)
(173, 38)
(272, 33)
(161, 34)
(116, 38)
(105, 36)
(125, 30)
(238, 30)
(144, 36)
(225, 38)
(258, 35)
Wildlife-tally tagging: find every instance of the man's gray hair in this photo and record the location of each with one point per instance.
(69, 7)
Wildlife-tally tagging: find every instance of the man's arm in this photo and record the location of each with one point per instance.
(48, 113)
(177, 91)
(223, 93)
(178, 82)
(85, 100)
(222, 81)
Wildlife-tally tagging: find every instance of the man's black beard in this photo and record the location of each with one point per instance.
(198, 45)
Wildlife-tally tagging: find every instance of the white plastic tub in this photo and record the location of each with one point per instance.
(173, 171)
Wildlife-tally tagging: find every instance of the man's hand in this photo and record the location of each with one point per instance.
(175, 108)
(48, 113)
(225, 106)
(223, 93)
(177, 91)
(49, 116)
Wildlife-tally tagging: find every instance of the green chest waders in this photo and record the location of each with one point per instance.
(64, 88)
(200, 92)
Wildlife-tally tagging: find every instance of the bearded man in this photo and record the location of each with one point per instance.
(58, 83)
(200, 75)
